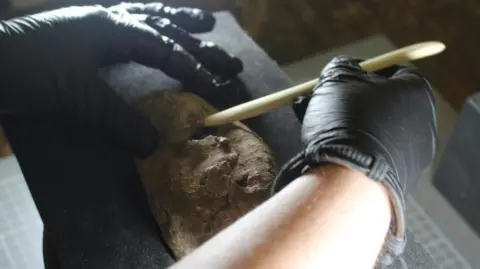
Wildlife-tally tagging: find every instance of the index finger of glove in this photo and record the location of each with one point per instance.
(193, 20)
(346, 63)
(300, 105)
(347, 69)
(341, 69)
(343, 63)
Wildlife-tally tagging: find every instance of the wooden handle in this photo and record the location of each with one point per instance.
(263, 104)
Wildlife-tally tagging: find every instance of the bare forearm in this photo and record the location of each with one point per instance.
(331, 218)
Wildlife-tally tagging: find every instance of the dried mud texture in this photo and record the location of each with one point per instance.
(198, 186)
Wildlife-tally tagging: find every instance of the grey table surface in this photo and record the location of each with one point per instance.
(458, 175)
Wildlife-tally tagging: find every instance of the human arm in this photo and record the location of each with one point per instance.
(381, 125)
(331, 217)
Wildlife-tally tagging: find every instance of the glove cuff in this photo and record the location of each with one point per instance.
(375, 167)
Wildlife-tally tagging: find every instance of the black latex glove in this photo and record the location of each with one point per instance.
(382, 124)
(50, 61)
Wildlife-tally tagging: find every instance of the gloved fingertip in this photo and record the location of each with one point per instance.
(194, 20)
(300, 105)
(411, 73)
(233, 68)
(343, 62)
(208, 20)
(221, 93)
(217, 60)
(346, 60)
(402, 70)
(392, 71)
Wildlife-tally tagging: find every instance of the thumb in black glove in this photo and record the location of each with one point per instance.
(50, 64)
(382, 124)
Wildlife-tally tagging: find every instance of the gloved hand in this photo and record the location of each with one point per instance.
(50, 61)
(382, 124)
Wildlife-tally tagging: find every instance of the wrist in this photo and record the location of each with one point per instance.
(377, 170)
(360, 203)
(350, 176)
(320, 154)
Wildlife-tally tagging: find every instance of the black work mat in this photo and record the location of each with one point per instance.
(116, 205)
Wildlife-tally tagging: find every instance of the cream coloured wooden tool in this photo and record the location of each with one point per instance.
(263, 104)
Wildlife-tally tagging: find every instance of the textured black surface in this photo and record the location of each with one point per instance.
(458, 176)
(115, 207)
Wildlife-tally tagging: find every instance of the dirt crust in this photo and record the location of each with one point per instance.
(199, 180)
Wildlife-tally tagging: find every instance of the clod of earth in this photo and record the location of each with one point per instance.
(199, 181)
